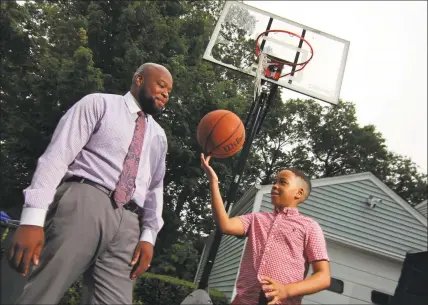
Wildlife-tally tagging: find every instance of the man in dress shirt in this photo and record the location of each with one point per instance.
(98, 193)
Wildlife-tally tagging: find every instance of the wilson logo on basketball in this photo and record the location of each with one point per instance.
(232, 145)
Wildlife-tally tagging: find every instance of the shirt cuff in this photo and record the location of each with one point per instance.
(33, 217)
(148, 236)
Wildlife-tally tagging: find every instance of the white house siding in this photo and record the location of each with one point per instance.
(422, 208)
(203, 258)
(361, 273)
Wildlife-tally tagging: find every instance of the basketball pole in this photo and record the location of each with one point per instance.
(254, 120)
(258, 110)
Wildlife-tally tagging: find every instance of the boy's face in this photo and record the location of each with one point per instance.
(287, 190)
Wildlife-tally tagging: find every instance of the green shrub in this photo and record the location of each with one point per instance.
(165, 290)
(152, 289)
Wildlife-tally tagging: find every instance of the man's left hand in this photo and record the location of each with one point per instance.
(142, 258)
(274, 291)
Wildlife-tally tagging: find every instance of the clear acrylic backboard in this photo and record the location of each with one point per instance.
(233, 44)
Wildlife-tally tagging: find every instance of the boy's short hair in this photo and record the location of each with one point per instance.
(305, 178)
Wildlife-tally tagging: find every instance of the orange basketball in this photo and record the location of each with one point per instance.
(221, 133)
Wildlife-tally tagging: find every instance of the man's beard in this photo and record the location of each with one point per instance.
(148, 103)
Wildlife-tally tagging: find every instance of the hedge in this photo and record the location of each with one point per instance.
(152, 289)
(156, 289)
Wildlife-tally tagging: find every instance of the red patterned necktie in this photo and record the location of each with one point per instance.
(126, 185)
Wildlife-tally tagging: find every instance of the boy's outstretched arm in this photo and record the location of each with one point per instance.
(231, 226)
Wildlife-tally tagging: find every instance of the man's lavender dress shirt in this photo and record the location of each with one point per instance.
(91, 141)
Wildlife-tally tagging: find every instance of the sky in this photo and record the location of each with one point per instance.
(386, 71)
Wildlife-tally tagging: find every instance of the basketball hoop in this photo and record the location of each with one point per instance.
(272, 66)
(281, 62)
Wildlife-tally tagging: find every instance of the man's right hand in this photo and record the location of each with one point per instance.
(26, 246)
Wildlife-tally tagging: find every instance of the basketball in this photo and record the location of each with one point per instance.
(221, 133)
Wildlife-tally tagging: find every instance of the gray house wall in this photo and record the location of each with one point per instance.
(226, 265)
(203, 258)
(342, 211)
(422, 208)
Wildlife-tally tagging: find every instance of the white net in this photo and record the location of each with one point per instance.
(263, 64)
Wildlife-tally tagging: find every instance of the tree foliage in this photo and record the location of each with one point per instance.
(55, 52)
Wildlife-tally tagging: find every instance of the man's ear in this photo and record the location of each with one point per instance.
(139, 80)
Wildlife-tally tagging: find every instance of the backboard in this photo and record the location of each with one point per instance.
(233, 44)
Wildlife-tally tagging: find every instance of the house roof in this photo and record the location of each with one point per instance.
(365, 176)
(422, 207)
(248, 195)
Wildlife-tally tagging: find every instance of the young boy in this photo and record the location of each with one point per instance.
(280, 245)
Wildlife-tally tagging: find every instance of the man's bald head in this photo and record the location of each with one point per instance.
(148, 68)
(151, 86)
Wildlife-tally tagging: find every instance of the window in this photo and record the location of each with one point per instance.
(380, 298)
(336, 285)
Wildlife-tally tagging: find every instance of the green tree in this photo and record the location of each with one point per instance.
(181, 261)
(406, 179)
(328, 141)
(54, 53)
(46, 68)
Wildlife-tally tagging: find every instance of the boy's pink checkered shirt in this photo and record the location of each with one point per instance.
(280, 245)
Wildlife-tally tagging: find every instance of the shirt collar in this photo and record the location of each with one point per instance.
(287, 211)
(131, 103)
